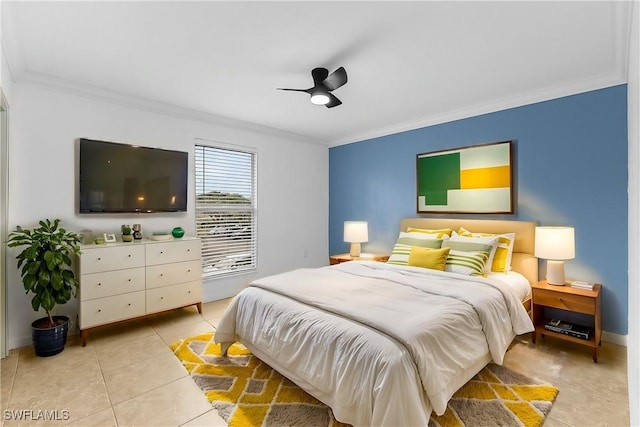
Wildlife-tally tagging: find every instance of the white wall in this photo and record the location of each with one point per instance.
(633, 90)
(292, 184)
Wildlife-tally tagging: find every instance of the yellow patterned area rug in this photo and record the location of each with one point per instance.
(247, 392)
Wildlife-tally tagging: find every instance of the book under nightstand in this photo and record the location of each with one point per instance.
(568, 299)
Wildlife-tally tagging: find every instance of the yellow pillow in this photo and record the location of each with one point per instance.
(440, 233)
(502, 259)
(435, 259)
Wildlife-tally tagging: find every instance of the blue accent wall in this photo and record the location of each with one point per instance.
(570, 158)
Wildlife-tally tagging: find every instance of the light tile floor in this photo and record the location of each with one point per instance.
(127, 375)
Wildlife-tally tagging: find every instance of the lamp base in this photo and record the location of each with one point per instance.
(354, 252)
(555, 273)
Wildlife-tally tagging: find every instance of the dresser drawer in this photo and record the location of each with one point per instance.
(96, 260)
(111, 309)
(168, 297)
(171, 274)
(175, 251)
(100, 285)
(564, 301)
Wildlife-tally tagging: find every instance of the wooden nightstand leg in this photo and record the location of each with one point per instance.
(595, 354)
(533, 336)
(85, 335)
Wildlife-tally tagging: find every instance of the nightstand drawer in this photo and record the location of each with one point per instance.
(565, 301)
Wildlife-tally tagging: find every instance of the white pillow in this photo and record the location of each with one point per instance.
(489, 240)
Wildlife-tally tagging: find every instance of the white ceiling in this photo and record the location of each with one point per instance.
(410, 64)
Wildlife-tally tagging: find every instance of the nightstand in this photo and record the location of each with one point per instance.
(571, 300)
(337, 259)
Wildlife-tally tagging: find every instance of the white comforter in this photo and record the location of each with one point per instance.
(380, 344)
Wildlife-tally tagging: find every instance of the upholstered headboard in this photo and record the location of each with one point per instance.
(523, 261)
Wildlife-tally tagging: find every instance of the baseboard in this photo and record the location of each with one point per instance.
(614, 338)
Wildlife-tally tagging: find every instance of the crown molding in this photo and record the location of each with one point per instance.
(559, 91)
(45, 81)
(621, 25)
(11, 51)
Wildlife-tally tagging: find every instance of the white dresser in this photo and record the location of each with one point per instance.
(125, 280)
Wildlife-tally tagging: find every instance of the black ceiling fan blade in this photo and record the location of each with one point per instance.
(319, 75)
(336, 79)
(294, 90)
(333, 101)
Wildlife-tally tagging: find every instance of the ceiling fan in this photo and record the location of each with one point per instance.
(323, 84)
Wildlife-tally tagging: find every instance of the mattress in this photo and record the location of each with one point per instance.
(380, 344)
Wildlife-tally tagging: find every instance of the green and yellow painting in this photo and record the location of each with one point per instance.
(474, 179)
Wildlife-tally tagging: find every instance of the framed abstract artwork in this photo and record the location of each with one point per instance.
(475, 179)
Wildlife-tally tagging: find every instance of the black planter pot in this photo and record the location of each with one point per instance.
(49, 341)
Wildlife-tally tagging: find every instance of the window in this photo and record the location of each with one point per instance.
(226, 209)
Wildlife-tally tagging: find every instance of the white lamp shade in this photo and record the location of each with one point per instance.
(555, 243)
(356, 231)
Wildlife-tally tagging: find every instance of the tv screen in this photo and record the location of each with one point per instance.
(128, 178)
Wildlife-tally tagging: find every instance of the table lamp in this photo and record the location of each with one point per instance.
(355, 232)
(555, 244)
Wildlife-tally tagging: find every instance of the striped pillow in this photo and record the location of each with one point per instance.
(502, 259)
(402, 249)
(489, 240)
(468, 263)
(440, 232)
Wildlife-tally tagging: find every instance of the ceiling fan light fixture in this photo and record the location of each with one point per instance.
(319, 97)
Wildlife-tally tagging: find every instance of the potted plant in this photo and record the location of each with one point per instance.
(126, 233)
(46, 272)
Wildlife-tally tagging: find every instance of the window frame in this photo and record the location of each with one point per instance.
(229, 245)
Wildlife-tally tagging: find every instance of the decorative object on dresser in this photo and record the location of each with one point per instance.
(337, 259)
(124, 281)
(46, 272)
(475, 179)
(177, 232)
(571, 300)
(137, 231)
(355, 232)
(555, 244)
(126, 233)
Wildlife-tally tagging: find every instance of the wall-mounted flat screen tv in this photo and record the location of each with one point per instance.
(118, 178)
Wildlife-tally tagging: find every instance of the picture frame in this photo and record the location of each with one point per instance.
(109, 238)
(475, 179)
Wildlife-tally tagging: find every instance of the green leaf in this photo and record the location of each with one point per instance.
(35, 302)
(56, 280)
(46, 301)
(44, 277)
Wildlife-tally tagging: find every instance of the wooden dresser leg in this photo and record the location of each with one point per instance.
(199, 307)
(594, 350)
(85, 336)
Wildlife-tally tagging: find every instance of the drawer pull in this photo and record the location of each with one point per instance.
(129, 304)
(161, 297)
(188, 292)
(99, 284)
(129, 280)
(161, 252)
(189, 271)
(99, 259)
(161, 274)
(99, 311)
(129, 255)
(188, 250)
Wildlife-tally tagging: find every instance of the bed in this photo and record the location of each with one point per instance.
(385, 344)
